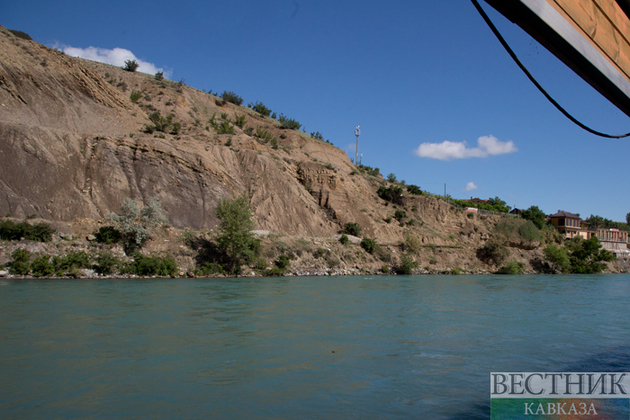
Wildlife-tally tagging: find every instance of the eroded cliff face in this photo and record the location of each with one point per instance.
(73, 146)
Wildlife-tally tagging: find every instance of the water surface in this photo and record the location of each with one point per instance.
(286, 348)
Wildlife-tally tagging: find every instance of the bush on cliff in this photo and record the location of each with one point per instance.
(135, 225)
(11, 231)
(236, 239)
(21, 264)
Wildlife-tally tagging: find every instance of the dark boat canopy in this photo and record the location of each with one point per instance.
(592, 37)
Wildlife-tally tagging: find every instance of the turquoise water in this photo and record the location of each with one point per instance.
(288, 348)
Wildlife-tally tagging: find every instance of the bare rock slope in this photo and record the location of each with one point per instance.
(73, 145)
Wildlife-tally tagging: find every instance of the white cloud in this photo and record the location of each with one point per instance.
(116, 57)
(448, 150)
(471, 186)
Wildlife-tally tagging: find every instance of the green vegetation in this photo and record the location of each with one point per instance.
(558, 258)
(135, 96)
(414, 189)
(343, 239)
(407, 264)
(21, 34)
(368, 170)
(162, 124)
(400, 215)
(351, 228)
(513, 267)
(579, 256)
(106, 263)
(598, 221)
(21, 262)
(391, 177)
(260, 108)
(225, 127)
(131, 65)
(239, 121)
(493, 252)
(493, 204)
(10, 231)
(369, 245)
(159, 76)
(135, 225)
(528, 232)
(264, 135)
(392, 194)
(235, 238)
(290, 123)
(280, 267)
(151, 266)
(536, 216)
(231, 97)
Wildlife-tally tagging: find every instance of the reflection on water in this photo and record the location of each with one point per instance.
(347, 347)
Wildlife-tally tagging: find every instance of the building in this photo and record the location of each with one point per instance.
(568, 224)
(614, 240)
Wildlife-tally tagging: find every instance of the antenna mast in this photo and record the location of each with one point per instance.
(357, 132)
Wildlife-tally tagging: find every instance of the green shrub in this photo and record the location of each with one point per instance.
(493, 252)
(283, 261)
(176, 127)
(135, 224)
(260, 108)
(41, 232)
(21, 264)
(231, 97)
(236, 240)
(107, 235)
(513, 268)
(286, 122)
(399, 215)
(225, 128)
(352, 228)
(392, 194)
(264, 135)
(412, 243)
(21, 34)
(391, 177)
(160, 123)
(131, 65)
(343, 239)
(368, 170)
(10, 231)
(152, 266)
(106, 263)
(414, 189)
(159, 76)
(507, 230)
(239, 121)
(407, 264)
(528, 232)
(135, 96)
(332, 262)
(274, 143)
(42, 267)
(369, 245)
(209, 268)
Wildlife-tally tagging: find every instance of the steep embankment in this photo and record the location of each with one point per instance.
(73, 146)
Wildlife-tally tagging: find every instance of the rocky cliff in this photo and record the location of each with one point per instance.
(74, 144)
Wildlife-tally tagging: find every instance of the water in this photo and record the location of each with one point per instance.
(286, 348)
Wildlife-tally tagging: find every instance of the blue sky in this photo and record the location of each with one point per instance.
(410, 73)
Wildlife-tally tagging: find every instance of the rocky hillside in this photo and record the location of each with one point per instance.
(74, 144)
